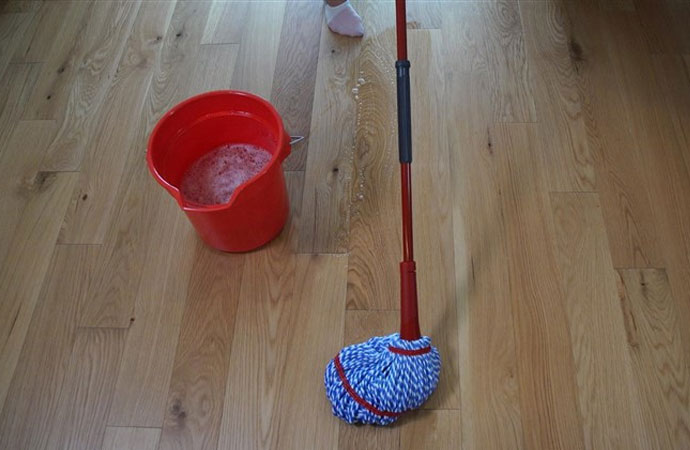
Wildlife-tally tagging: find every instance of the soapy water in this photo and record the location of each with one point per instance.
(212, 179)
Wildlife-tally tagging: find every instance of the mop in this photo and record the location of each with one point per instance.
(375, 381)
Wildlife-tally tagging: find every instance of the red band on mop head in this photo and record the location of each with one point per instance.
(402, 351)
(355, 396)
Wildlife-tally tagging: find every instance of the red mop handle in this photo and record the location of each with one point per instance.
(409, 317)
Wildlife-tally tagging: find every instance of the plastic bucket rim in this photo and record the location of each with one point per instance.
(173, 190)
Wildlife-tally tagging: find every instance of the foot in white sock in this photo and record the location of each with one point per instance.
(343, 19)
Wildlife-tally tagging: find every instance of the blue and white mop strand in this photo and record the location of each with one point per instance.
(375, 381)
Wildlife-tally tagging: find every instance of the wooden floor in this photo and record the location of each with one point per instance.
(552, 208)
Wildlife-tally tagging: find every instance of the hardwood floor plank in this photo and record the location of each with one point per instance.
(665, 25)
(10, 6)
(88, 390)
(20, 176)
(144, 376)
(328, 174)
(608, 399)
(432, 429)
(619, 168)
(76, 104)
(260, 36)
(32, 400)
(26, 264)
(304, 416)
(373, 197)
(12, 28)
(15, 89)
(662, 142)
(673, 81)
(285, 333)
(215, 65)
(118, 122)
(425, 15)
(512, 92)
(40, 34)
(433, 212)
(197, 387)
(489, 387)
(126, 438)
(139, 200)
(295, 76)
(463, 30)
(277, 387)
(226, 22)
(670, 178)
(552, 56)
(361, 325)
(659, 362)
(546, 371)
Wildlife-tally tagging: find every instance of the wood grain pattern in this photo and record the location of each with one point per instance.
(422, 14)
(10, 6)
(608, 399)
(144, 377)
(671, 179)
(328, 174)
(431, 429)
(66, 51)
(488, 360)
(139, 200)
(548, 404)
(226, 22)
(126, 438)
(76, 106)
(38, 38)
(263, 25)
(434, 213)
(304, 419)
(215, 65)
(672, 76)
(295, 74)
(88, 218)
(273, 373)
(20, 176)
(15, 89)
(39, 378)
(665, 25)
(374, 198)
(85, 399)
(616, 152)
(197, 386)
(512, 95)
(553, 57)
(462, 28)
(13, 25)
(655, 345)
(259, 345)
(26, 264)
(661, 144)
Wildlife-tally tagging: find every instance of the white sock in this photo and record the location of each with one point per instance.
(343, 19)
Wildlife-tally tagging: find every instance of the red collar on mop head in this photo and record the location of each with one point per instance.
(415, 352)
(355, 396)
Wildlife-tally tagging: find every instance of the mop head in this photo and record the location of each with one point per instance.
(376, 381)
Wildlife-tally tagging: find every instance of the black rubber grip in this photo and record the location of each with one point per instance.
(404, 111)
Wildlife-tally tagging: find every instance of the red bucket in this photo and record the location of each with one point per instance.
(258, 209)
